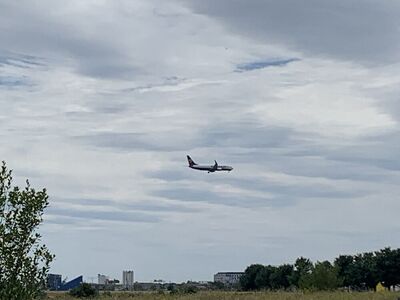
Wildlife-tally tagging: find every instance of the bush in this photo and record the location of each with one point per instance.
(189, 289)
(85, 290)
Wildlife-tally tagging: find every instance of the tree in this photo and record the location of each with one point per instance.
(345, 266)
(323, 277)
(280, 279)
(365, 272)
(388, 266)
(24, 261)
(302, 266)
(84, 290)
(262, 280)
(247, 281)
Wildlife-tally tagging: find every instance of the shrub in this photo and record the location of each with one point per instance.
(85, 290)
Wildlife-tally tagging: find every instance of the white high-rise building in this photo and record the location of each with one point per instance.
(127, 279)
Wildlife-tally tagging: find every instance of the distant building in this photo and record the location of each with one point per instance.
(112, 281)
(101, 279)
(71, 284)
(228, 278)
(54, 282)
(127, 279)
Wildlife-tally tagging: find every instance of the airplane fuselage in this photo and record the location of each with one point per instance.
(211, 168)
(207, 168)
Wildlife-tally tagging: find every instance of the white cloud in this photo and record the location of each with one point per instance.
(112, 96)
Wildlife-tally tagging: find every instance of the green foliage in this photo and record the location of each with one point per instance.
(263, 278)
(247, 281)
(267, 277)
(358, 272)
(189, 289)
(280, 278)
(324, 276)
(216, 285)
(388, 266)
(84, 290)
(302, 267)
(172, 289)
(24, 262)
(345, 267)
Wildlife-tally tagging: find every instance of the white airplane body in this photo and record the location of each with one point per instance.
(207, 168)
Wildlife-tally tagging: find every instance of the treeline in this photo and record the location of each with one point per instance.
(358, 272)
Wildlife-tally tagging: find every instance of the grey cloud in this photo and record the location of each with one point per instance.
(300, 191)
(168, 81)
(144, 206)
(284, 149)
(60, 220)
(128, 141)
(120, 216)
(14, 81)
(169, 175)
(311, 161)
(219, 135)
(43, 34)
(264, 64)
(380, 151)
(195, 195)
(282, 194)
(297, 153)
(362, 31)
(247, 135)
(20, 60)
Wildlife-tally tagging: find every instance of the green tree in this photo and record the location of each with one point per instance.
(323, 277)
(365, 272)
(302, 267)
(262, 280)
(247, 281)
(345, 267)
(84, 290)
(280, 278)
(24, 261)
(388, 266)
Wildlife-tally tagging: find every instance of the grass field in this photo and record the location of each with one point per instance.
(241, 296)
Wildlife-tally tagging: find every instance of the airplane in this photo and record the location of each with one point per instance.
(210, 169)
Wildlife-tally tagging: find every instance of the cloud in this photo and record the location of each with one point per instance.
(130, 141)
(143, 206)
(117, 216)
(264, 64)
(366, 34)
(20, 60)
(10, 81)
(105, 100)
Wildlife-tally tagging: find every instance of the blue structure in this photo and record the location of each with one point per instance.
(54, 282)
(71, 284)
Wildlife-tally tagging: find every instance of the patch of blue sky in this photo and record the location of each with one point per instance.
(14, 81)
(264, 64)
(20, 60)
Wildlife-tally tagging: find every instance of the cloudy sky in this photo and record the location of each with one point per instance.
(102, 100)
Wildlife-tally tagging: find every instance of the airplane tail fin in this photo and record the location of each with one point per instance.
(215, 167)
(190, 161)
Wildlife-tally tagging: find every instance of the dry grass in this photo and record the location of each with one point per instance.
(240, 296)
